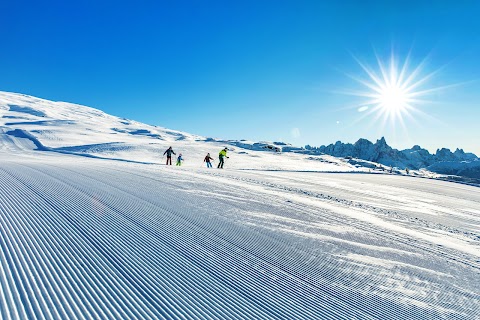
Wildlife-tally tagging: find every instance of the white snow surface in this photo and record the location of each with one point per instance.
(94, 225)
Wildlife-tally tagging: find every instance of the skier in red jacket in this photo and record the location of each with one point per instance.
(207, 160)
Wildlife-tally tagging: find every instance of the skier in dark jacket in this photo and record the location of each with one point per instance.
(207, 160)
(169, 152)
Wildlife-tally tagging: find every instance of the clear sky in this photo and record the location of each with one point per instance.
(258, 70)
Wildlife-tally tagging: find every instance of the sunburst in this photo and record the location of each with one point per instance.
(394, 91)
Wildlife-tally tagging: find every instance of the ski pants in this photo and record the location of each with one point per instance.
(169, 159)
(209, 164)
(220, 164)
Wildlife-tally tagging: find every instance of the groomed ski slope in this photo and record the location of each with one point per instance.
(102, 239)
(95, 226)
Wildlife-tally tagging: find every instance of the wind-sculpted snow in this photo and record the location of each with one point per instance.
(102, 239)
(27, 110)
(25, 135)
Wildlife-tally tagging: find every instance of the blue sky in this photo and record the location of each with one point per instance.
(259, 70)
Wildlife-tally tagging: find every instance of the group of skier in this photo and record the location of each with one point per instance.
(208, 159)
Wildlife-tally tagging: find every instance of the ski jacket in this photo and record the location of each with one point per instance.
(180, 158)
(169, 152)
(207, 159)
(223, 153)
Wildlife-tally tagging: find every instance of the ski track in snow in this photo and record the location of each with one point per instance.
(100, 239)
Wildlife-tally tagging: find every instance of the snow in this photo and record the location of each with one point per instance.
(94, 225)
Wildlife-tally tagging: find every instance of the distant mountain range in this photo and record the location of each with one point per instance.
(443, 161)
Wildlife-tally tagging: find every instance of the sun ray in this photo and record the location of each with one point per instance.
(437, 89)
(393, 71)
(422, 81)
(364, 82)
(383, 72)
(404, 71)
(416, 72)
(357, 93)
(367, 113)
(371, 74)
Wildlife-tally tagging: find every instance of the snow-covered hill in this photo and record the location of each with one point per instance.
(95, 226)
(72, 129)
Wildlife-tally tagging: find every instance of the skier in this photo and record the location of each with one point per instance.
(221, 156)
(207, 160)
(169, 152)
(179, 160)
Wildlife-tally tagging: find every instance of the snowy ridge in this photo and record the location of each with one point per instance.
(95, 226)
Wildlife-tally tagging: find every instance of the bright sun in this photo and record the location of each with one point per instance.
(393, 90)
(393, 98)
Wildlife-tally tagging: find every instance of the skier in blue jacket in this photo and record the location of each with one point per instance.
(179, 160)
